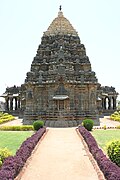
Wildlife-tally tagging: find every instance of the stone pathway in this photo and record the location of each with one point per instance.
(60, 155)
(109, 123)
(103, 121)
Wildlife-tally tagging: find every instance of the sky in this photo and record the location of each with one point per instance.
(22, 23)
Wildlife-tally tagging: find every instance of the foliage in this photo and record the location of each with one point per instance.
(110, 170)
(103, 137)
(118, 127)
(5, 117)
(13, 164)
(4, 153)
(88, 124)
(38, 124)
(113, 151)
(104, 127)
(17, 128)
(1, 163)
(13, 139)
(115, 116)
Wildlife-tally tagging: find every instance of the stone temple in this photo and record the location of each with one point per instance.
(61, 88)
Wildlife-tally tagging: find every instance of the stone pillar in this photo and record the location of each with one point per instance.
(16, 104)
(72, 107)
(109, 103)
(7, 104)
(114, 103)
(104, 103)
(11, 103)
(19, 103)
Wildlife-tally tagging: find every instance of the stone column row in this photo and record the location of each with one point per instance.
(13, 103)
(109, 103)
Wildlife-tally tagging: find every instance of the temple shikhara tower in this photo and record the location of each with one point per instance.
(61, 88)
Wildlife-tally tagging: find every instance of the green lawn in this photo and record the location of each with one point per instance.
(13, 139)
(104, 136)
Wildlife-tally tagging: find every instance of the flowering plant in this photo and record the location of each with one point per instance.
(13, 164)
(110, 170)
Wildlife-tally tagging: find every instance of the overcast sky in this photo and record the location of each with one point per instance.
(22, 23)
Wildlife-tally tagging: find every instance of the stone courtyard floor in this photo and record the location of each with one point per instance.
(103, 121)
(16, 122)
(109, 123)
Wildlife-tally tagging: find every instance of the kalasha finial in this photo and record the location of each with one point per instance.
(60, 8)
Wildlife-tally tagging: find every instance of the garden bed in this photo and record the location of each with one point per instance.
(104, 136)
(110, 170)
(13, 164)
(13, 139)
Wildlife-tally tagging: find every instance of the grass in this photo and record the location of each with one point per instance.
(104, 136)
(13, 139)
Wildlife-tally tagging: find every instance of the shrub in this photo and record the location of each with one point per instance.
(104, 127)
(118, 127)
(0, 163)
(13, 164)
(115, 116)
(113, 151)
(5, 117)
(38, 124)
(4, 153)
(110, 170)
(116, 113)
(17, 128)
(88, 124)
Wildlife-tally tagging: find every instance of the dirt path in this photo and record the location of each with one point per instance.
(60, 155)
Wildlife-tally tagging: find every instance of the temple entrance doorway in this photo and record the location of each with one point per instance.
(62, 109)
(62, 105)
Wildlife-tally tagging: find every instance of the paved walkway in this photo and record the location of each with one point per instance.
(109, 123)
(60, 155)
(16, 122)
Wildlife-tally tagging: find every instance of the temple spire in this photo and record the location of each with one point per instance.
(60, 25)
(60, 8)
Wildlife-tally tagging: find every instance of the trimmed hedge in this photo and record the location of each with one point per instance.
(110, 170)
(115, 116)
(88, 124)
(38, 124)
(5, 117)
(17, 128)
(118, 127)
(13, 164)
